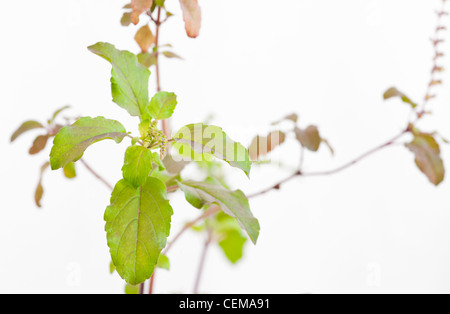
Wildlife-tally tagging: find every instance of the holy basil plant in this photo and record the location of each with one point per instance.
(139, 215)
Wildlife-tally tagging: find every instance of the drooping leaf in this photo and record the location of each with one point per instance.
(309, 138)
(204, 141)
(39, 144)
(40, 189)
(163, 262)
(428, 157)
(137, 166)
(162, 106)
(147, 59)
(144, 37)
(129, 81)
(139, 6)
(262, 145)
(230, 237)
(70, 171)
(25, 127)
(131, 289)
(137, 226)
(394, 92)
(71, 141)
(126, 19)
(192, 15)
(233, 203)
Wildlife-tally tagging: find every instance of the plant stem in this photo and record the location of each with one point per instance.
(201, 266)
(99, 177)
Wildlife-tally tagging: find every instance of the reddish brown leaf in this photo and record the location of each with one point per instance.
(309, 138)
(428, 158)
(139, 6)
(192, 15)
(39, 144)
(40, 189)
(145, 39)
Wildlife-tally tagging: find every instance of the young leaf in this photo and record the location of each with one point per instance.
(162, 106)
(147, 59)
(428, 158)
(292, 117)
(139, 6)
(137, 226)
(204, 141)
(262, 145)
(126, 19)
(309, 138)
(129, 81)
(57, 113)
(233, 203)
(192, 15)
(131, 289)
(394, 92)
(39, 144)
(163, 262)
(25, 127)
(137, 166)
(71, 141)
(171, 55)
(144, 37)
(69, 170)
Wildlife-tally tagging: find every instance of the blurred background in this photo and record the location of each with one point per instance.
(379, 227)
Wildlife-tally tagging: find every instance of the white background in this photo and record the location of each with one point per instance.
(377, 227)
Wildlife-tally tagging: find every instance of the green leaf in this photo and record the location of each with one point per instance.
(262, 145)
(131, 289)
(163, 262)
(137, 166)
(428, 158)
(230, 237)
(204, 140)
(137, 226)
(233, 203)
(129, 81)
(161, 106)
(71, 141)
(394, 92)
(39, 144)
(309, 138)
(25, 127)
(69, 170)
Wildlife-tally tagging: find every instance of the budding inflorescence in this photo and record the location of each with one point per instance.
(436, 42)
(155, 138)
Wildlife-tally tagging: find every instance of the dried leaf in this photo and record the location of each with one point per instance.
(428, 158)
(145, 39)
(192, 16)
(309, 138)
(262, 145)
(139, 6)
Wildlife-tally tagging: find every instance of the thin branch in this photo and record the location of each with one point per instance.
(201, 265)
(99, 177)
(278, 185)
